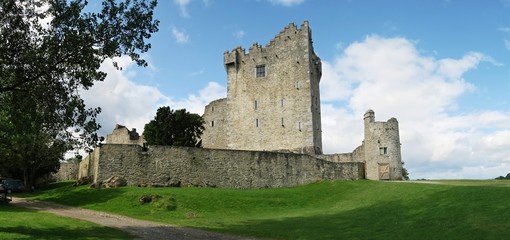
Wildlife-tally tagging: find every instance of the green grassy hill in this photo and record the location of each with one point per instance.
(323, 210)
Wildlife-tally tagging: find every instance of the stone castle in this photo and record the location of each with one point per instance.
(265, 133)
(273, 100)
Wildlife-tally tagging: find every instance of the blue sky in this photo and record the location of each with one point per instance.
(441, 67)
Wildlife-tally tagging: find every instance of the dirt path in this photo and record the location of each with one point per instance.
(140, 228)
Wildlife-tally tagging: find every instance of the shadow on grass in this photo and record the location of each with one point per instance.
(456, 213)
(26, 232)
(21, 223)
(67, 194)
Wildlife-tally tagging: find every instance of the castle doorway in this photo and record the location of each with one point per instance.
(384, 171)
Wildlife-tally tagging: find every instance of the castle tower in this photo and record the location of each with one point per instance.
(383, 159)
(273, 100)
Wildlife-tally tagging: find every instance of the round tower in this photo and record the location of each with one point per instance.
(383, 159)
(369, 116)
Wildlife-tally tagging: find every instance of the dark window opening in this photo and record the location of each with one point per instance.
(383, 151)
(261, 71)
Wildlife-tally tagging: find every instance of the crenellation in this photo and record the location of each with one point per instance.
(267, 132)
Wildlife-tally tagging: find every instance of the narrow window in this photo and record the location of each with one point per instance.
(212, 123)
(212, 109)
(281, 103)
(282, 123)
(257, 122)
(383, 151)
(255, 104)
(299, 126)
(297, 84)
(261, 71)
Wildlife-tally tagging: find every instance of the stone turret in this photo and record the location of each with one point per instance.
(383, 159)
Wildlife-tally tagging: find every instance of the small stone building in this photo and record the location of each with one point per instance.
(122, 135)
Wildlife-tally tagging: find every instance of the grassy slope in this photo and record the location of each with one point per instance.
(18, 223)
(325, 210)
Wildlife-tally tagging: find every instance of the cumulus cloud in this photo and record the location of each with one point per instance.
(287, 3)
(239, 34)
(195, 103)
(180, 36)
(183, 7)
(133, 105)
(507, 44)
(504, 29)
(390, 76)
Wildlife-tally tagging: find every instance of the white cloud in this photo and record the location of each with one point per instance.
(133, 105)
(504, 29)
(287, 3)
(180, 35)
(239, 34)
(183, 7)
(385, 74)
(196, 103)
(390, 76)
(122, 101)
(507, 44)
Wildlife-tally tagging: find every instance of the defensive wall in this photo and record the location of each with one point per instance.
(256, 136)
(66, 172)
(183, 166)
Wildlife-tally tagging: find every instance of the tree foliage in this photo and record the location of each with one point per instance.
(50, 51)
(405, 173)
(507, 177)
(174, 128)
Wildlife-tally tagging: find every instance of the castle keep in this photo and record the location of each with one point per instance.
(265, 133)
(273, 101)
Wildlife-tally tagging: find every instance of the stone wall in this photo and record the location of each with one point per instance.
(383, 160)
(67, 171)
(89, 165)
(122, 135)
(283, 100)
(182, 166)
(215, 127)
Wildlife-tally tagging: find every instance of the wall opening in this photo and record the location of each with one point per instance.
(260, 71)
(383, 151)
(384, 171)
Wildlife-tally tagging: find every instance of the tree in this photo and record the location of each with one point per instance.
(50, 51)
(503, 178)
(405, 173)
(174, 128)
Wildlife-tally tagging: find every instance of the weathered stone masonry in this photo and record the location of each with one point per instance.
(183, 166)
(256, 136)
(273, 100)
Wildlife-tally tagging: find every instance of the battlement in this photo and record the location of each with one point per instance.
(291, 31)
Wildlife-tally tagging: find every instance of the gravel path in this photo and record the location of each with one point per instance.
(140, 228)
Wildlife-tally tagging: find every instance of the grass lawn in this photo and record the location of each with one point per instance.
(19, 223)
(324, 210)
